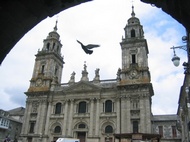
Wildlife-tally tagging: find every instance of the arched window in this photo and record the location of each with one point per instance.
(57, 129)
(133, 33)
(108, 129)
(108, 106)
(42, 68)
(58, 108)
(53, 46)
(56, 69)
(82, 126)
(47, 46)
(82, 107)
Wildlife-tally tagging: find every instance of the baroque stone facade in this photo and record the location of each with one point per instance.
(93, 111)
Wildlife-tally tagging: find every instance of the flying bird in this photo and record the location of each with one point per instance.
(87, 48)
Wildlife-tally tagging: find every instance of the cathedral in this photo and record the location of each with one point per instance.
(95, 110)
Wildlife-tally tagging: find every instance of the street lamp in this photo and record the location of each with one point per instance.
(176, 59)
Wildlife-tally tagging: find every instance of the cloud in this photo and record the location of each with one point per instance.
(12, 98)
(16, 95)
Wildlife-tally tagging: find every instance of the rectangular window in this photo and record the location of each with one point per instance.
(82, 107)
(135, 126)
(108, 106)
(133, 58)
(42, 68)
(174, 133)
(160, 130)
(32, 125)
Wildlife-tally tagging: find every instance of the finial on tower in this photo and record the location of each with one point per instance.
(55, 28)
(133, 13)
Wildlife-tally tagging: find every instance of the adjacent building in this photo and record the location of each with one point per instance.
(94, 110)
(167, 126)
(11, 123)
(184, 107)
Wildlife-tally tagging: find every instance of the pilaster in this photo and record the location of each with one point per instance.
(64, 132)
(118, 112)
(70, 118)
(27, 117)
(142, 116)
(128, 115)
(91, 117)
(97, 129)
(47, 118)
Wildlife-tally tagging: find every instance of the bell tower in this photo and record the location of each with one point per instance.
(134, 80)
(134, 53)
(48, 64)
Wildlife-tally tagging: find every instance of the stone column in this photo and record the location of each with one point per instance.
(97, 117)
(142, 115)
(70, 119)
(128, 115)
(118, 115)
(40, 117)
(148, 114)
(64, 132)
(47, 118)
(91, 117)
(125, 115)
(26, 123)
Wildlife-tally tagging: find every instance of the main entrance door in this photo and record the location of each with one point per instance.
(81, 136)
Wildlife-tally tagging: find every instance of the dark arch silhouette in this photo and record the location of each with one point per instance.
(178, 9)
(20, 16)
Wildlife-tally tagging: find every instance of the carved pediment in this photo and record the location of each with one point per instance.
(82, 86)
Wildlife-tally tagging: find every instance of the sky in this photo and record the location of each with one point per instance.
(100, 22)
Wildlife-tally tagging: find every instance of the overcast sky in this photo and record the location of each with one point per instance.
(99, 22)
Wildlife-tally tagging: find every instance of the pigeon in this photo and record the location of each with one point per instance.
(87, 48)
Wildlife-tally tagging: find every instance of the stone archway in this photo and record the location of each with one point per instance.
(20, 16)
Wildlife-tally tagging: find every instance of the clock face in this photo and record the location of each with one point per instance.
(39, 82)
(133, 74)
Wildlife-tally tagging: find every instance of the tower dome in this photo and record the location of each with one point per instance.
(133, 20)
(133, 29)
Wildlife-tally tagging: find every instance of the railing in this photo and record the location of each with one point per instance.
(107, 81)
